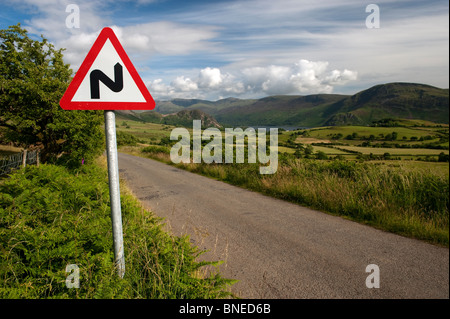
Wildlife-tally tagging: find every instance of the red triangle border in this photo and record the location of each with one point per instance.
(66, 101)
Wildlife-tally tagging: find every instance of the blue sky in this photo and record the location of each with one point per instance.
(254, 48)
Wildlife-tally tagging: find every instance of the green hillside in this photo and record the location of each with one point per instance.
(181, 118)
(280, 110)
(393, 100)
(176, 105)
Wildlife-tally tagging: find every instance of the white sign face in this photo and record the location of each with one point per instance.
(107, 80)
(105, 62)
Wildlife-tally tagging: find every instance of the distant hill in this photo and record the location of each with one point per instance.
(392, 100)
(176, 105)
(181, 118)
(185, 118)
(284, 110)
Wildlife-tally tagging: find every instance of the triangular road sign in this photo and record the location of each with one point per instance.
(107, 80)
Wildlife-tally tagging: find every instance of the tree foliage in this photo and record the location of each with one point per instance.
(33, 78)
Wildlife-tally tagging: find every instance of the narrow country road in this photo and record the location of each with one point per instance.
(281, 250)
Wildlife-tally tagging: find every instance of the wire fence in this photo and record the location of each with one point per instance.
(15, 161)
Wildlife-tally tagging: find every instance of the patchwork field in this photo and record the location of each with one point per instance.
(393, 151)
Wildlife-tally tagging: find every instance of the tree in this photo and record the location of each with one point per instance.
(33, 79)
(394, 136)
(298, 153)
(309, 150)
(321, 155)
(443, 157)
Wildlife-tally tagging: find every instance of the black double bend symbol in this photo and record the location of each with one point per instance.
(96, 76)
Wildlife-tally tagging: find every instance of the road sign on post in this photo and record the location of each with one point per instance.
(107, 80)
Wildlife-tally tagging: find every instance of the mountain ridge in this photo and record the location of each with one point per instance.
(391, 100)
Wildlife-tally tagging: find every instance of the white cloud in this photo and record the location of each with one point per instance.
(179, 88)
(210, 78)
(341, 77)
(304, 77)
(182, 84)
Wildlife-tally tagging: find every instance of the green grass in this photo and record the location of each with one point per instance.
(329, 150)
(51, 217)
(394, 151)
(408, 132)
(433, 168)
(146, 132)
(283, 149)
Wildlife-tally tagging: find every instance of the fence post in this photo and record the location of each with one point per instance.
(37, 157)
(24, 158)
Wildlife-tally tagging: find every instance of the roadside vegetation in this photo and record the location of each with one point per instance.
(58, 214)
(404, 194)
(51, 217)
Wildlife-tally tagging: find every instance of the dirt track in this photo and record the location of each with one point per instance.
(281, 250)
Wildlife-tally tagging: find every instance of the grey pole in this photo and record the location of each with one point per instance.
(114, 191)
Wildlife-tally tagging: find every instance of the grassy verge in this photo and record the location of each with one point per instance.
(51, 217)
(396, 199)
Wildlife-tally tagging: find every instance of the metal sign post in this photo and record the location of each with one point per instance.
(114, 191)
(125, 91)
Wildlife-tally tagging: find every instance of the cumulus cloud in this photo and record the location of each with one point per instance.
(210, 78)
(182, 84)
(303, 77)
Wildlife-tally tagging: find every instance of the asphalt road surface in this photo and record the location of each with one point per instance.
(278, 249)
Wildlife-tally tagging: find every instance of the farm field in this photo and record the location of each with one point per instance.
(407, 132)
(147, 132)
(330, 150)
(332, 141)
(393, 151)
